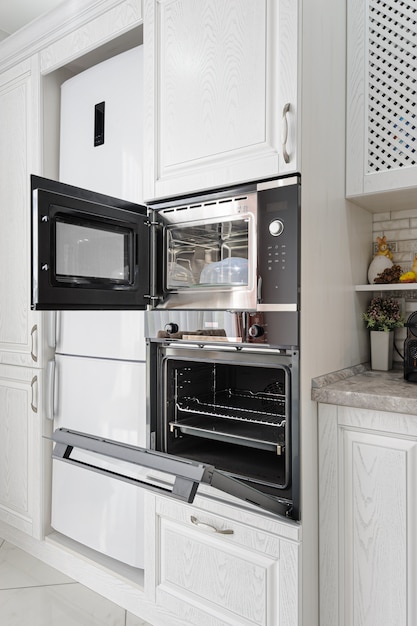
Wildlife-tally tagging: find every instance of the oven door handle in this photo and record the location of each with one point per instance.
(188, 474)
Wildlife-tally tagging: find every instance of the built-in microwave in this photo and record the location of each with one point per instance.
(229, 249)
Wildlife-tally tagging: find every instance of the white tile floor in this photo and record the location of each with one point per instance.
(32, 593)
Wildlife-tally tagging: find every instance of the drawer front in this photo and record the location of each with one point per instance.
(212, 578)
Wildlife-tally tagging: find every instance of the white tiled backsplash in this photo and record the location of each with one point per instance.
(400, 227)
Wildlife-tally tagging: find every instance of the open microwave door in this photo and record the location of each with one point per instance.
(89, 251)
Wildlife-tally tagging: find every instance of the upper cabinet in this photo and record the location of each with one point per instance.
(220, 89)
(381, 97)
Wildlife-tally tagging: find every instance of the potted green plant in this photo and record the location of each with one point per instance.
(382, 316)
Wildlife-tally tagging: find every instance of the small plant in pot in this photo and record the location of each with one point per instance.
(382, 316)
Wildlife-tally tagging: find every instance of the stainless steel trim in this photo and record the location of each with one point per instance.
(32, 404)
(285, 154)
(211, 209)
(211, 527)
(50, 388)
(278, 182)
(32, 338)
(277, 307)
(52, 329)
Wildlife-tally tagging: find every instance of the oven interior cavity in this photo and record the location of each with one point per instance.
(236, 417)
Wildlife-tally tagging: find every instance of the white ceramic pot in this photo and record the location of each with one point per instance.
(382, 346)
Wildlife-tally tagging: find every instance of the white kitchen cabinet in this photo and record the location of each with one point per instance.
(368, 517)
(21, 476)
(220, 93)
(20, 329)
(214, 564)
(381, 95)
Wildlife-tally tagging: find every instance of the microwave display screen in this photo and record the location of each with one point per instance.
(89, 253)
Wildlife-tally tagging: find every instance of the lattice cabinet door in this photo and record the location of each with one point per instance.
(381, 96)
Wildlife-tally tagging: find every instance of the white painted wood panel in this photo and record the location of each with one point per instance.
(19, 328)
(20, 448)
(378, 471)
(248, 577)
(328, 515)
(368, 516)
(104, 24)
(217, 77)
(381, 128)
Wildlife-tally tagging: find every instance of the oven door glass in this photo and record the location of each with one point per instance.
(89, 251)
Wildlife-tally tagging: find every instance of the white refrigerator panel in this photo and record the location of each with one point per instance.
(104, 334)
(102, 397)
(99, 511)
(115, 167)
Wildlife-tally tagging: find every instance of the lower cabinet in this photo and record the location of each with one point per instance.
(212, 564)
(368, 517)
(20, 448)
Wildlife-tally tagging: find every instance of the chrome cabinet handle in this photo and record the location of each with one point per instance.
(50, 385)
(32, 404)
(34, 332)
(285, 154)
(226, 531)
(52, 329)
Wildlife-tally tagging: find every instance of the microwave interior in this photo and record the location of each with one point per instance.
(207, 254)
(234, 417)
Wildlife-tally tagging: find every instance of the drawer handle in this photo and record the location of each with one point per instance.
(226, 531)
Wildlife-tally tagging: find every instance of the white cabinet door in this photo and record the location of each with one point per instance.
(368, 517)
(20, 448)
(381, 95)
(20, 339)
(215, 570)
(218, 78)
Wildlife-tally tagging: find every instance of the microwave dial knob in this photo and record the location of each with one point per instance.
(276, 227)
(256, 331)
(171, 328)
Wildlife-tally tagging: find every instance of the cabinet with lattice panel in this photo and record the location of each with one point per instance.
(381, 166)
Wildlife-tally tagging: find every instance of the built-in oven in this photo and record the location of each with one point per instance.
(228, 249)
(222, 414)
(233, 407)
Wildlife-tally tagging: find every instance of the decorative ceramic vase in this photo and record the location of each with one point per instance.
(378, 264)
(382, 345)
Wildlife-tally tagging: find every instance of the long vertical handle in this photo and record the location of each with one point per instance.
(52, 329)
(50, 390)
(34, 406)
(285, 154)
(34, 340)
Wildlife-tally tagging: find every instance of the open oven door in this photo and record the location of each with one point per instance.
(89, 251)
(187, 474)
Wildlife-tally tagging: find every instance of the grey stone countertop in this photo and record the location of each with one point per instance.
(363, 388)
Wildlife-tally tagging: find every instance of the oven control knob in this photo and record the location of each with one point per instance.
(171, 328)
(276, 227)
(256, 331)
